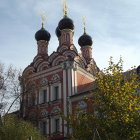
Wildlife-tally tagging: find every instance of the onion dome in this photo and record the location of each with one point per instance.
(58, 32)
(85, 40)
(66, 23)
(42, 34)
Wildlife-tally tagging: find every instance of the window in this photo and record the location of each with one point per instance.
(56, 93)
(43, 127)
(57, 125)
(43, 96)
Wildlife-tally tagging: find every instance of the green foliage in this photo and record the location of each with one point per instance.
(114, 114)
(13, 128)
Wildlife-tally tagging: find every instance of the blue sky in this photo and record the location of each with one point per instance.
(113, 24)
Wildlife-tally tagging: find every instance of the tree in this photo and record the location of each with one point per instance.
(9, 87)
(13, 88)
(114, 114)
(14, 128)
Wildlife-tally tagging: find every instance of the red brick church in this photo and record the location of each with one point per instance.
(63, 78)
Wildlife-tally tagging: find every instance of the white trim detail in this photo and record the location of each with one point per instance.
(55, 77)
(86, 74)
(69, 82)
(53, 92)
(73, 81)
(64, 100)
(41, 98)
(48, 71)
(57, 60)
(46, 74)
(48, 94)
(53, 124)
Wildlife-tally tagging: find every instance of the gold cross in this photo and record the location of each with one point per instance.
(65, 8)
(43, 17)
(84, 23)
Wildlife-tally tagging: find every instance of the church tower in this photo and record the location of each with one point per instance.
(53, 82)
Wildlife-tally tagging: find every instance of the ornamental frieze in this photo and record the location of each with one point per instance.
(43, 113)
(81, 105)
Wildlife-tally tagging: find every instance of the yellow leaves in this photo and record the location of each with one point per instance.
(116, 103)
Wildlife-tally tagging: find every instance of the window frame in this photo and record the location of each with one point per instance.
(43, 124)
(54, 96)
(57, 125)
(42, 97)
(56, 92)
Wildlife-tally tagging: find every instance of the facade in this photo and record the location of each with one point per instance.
(57, 80)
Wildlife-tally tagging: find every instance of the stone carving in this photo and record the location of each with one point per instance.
(55, 77)
(58, 60)
(82, 105)
(55, 110)
(44, 81)
(43, 113)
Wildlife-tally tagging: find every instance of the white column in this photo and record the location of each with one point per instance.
(60, 93)
(64, 100)
(51, 93)
(47, 93)
(69, 82)
(73, 80)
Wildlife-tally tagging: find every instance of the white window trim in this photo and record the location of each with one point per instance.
(52, 91)
(47, 125)
(40, 91)
(53, 124)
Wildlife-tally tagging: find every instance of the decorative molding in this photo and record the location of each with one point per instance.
(70, 53)
(52, 56)
(44, 81)
(37, 57)
(58, 60)
(46, 73)
(55, 110)
(42, 65)
(43, 113)
(80, 62)
(29, 70)
(55, 77)
(62, 48)
(81, 105)
(83, 59)
(37, 62)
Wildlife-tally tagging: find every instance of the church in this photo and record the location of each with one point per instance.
(59, 81)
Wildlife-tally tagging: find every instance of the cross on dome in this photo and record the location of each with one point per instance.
(84, 24)
(43, 18)
(65, 8)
